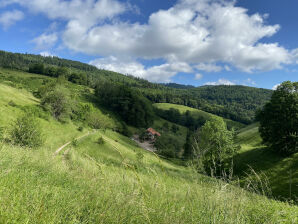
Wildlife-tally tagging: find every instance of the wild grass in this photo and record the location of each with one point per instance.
(282, 172)
(86, 187)
(89, 182)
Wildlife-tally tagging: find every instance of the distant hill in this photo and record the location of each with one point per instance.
(237, 103)
(197, 114)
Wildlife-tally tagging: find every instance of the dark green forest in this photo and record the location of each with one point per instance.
(237, 103)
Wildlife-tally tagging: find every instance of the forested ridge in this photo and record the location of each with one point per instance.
(238, 103)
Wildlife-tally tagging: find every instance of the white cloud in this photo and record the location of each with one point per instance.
(45, 41)
(88, 12)
(207, 67)
(192, 33)
(249, 82)
(275, 86)
(46, 54)
(198, 76)
(221, 82)
(9, 18)
(160, 73)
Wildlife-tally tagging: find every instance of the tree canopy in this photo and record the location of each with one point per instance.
(130, 105)
(279, 119)
(215, 147)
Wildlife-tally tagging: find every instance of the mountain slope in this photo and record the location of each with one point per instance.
(281, 172)
(196, 113)
(109, 181)
(237, 103)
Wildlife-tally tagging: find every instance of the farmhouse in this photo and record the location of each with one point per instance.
(152, 133)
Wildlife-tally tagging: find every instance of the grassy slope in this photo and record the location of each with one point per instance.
(16, 91)
(281, 172)
(92, 183)
(196, 113)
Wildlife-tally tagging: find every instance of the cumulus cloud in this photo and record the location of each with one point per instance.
(87, 12)
(45, 41)
(192, 31)
(275, 86)
(46, 54)
(249, 82)
(160, 73)
(220, 82)
(198, 76)
(199, 34)
(9, 18)
(208, 67)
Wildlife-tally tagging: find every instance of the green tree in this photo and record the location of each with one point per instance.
(57, 101)
(37, 68)
(214, 147)
(188, 149)
(169, 146)
(26, 131)
(279, 119)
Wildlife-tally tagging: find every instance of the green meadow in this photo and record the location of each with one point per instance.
(115, 181)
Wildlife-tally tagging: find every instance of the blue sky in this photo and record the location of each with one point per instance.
(197, 42)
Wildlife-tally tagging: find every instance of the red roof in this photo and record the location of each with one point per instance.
(153, 132)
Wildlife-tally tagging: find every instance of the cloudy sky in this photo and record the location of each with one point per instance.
(198, 42)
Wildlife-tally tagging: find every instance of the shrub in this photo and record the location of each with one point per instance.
(26, 131)
(75, 142)
(80, 128)
(12, 103)
(100, 141)
(57, 101)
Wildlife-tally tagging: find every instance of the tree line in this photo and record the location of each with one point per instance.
(237, 103)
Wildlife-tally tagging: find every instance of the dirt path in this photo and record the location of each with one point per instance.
(66, 144)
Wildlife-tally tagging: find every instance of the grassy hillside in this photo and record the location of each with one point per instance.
(238, 103)
(196, 113)
(110, 182)
(281, 172)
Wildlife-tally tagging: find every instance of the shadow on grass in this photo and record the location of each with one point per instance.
(282, 172)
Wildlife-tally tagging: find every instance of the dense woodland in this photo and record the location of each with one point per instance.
(238, 103)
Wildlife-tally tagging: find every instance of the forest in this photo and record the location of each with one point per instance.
(238, 103)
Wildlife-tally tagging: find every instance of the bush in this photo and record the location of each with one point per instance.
(57, 102)
(12, 103)
(100, 141)
(26, 131)
(75, 142)
(80, 128)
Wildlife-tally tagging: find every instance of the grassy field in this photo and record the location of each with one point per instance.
(92, 183)
(113, 182)
(281, 172)
(196, 113)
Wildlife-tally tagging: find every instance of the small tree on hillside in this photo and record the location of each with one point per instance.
(57, 101)
(26, 131)
(214, 147)
(279, 119)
